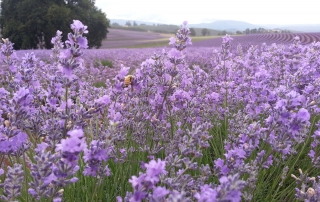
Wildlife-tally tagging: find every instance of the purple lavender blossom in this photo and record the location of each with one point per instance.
(147, 181)
(229, 190)
(15, 144)
(75, 143)
(13, 183)
(181, 40)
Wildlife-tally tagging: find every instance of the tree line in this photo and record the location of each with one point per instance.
(30, 24)
(263, 30)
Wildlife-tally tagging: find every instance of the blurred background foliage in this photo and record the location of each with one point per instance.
(30, 24)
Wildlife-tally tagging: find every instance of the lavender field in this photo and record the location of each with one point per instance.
(259, 39)
(237, 122)
(118, 39)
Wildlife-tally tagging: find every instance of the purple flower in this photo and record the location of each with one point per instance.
(156, 167)
(135, 181)
(119, 199)
(105, 100)
(148, 180)
(67, 104)
(219, 164)
(22, 97)
(230, 188)
(75, 143)
(181, 40)
(172, 41)
(47, 180)
(303, 114)
(41, 147)
(206, 194)
(77, 26)
(159, 193)
(94, 158)
(226, 39)
(66, 54)
(32, 192)
(13, 183)
(82, 42)
(185, 23)
(138, 196)
(14, 144)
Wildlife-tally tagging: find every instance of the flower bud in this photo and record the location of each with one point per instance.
(295, 177)
(311, 192)
(7, 123)
(61, 191)
(91, 109)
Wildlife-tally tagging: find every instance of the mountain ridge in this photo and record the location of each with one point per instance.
(234, 25)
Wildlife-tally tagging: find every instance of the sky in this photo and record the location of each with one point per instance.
(281, 12)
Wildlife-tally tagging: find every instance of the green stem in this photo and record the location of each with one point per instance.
(95, 190)
(66, 121)
(165, 97)
(2, 158)
(25, 176)
(298, 157)
(304, 145)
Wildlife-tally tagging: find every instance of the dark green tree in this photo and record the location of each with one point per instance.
(30, 24)
(192, 32)
(204, 31)
(253, 31)
(115, 24)
(128, 23)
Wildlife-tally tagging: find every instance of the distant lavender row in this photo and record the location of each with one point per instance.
(258, 39)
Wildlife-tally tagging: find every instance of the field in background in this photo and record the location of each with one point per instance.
(118, 38)
(259, 39)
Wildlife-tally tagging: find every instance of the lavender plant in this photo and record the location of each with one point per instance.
(228, 124)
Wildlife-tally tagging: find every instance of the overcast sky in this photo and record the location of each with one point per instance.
(197, 11)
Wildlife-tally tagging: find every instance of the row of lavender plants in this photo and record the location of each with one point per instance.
(235, 125)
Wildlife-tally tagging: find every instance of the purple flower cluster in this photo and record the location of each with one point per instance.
(13, 184)
(181, 40)
(146, 182)
(69, 59)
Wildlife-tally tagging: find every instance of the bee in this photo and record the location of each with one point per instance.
(127, 80)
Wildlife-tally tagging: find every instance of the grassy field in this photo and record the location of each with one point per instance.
(118, 38)
(164, 42)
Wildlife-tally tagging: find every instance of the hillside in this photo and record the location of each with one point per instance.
(162, 28)
(231, 26)
(228, 25)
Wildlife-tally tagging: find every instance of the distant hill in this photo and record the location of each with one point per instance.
(159, 28)
(228, 25)
(234, 25)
